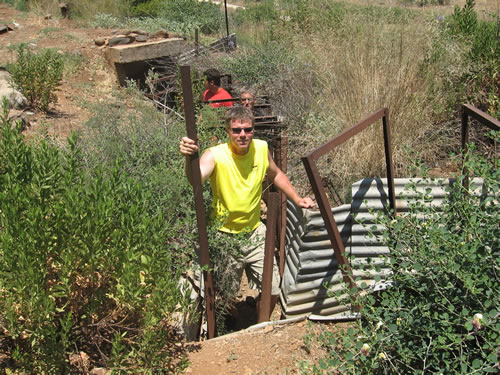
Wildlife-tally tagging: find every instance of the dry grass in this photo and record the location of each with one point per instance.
(368, 66)
(85, 10)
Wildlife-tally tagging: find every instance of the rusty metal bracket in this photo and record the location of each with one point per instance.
(484, 119)
(319, 191)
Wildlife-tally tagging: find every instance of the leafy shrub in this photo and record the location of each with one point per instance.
(482, 51)
(18, 4)
(37, 76)
(260, 12)
(87, 260)
(202, 15)
(105, 20)
(441, 314)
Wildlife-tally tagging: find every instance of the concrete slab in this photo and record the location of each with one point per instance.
(130, 61)
(129, 53)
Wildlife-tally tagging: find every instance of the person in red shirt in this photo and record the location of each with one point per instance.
(214, 91)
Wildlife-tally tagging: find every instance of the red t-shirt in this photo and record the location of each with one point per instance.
(221, 94)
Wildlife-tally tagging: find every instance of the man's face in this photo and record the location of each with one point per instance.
(240, 135)
(247, 100)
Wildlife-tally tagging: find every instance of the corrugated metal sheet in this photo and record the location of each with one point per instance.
(310, 266)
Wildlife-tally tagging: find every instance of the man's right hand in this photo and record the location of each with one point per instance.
(187, 146)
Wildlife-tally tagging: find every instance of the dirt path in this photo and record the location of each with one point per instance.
(90, 80)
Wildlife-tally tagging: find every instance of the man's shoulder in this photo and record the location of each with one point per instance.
(224, 93)
(260, 143)
(218, 149)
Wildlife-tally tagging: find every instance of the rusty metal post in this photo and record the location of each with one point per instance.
(282, 224)
(198, 197)
(196, 42)
(388, 161)
(267, 274)
(465, 148)
(227, 22)
(485, 120)
(331, 225)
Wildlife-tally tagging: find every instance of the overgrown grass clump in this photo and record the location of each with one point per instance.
(441, 313)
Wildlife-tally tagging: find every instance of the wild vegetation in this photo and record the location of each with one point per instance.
(94, 234)
(440, 313)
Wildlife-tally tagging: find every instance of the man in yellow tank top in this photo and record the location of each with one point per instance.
(236, 170)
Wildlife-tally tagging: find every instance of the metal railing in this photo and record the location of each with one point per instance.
(319, 191)
(485, 120)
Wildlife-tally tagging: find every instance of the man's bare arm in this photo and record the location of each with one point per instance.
(282, 182)
(188, 147)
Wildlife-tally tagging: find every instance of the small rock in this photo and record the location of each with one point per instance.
(81, 360)
(16, 116)
(141, 38)
(119, 41)
(14, 98)
(99, 371)
(48, 17)
(139, 32)
(100, 41)
(161, 34)
(268, 329)
(4, 29)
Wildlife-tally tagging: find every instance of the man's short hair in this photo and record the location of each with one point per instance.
(238, 113)
(212, 75)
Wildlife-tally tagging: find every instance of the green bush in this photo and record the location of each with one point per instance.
(260, 12)
(37, 76)
(18, 4)
(193, 14)
(87, 260)
(482, 50)
(441, 313)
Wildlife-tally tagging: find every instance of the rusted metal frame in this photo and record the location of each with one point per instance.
(219, 101)
(280, 159)
(484, 119)
(198, 195)
(267, 274)
(196, 43)
(227, 21)
(388, 162)
(322, 199)
(331, 226)
(282, 226)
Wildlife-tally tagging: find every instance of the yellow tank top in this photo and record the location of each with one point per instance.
(237, 186)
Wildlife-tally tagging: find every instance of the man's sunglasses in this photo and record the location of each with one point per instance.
(238, 130)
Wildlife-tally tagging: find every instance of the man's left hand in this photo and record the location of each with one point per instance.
(306, 203)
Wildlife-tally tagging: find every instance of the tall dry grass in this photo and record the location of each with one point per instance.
(359, 67)
(81, 9)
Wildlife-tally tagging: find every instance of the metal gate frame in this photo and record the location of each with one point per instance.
(484, 119)
(309, 161)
